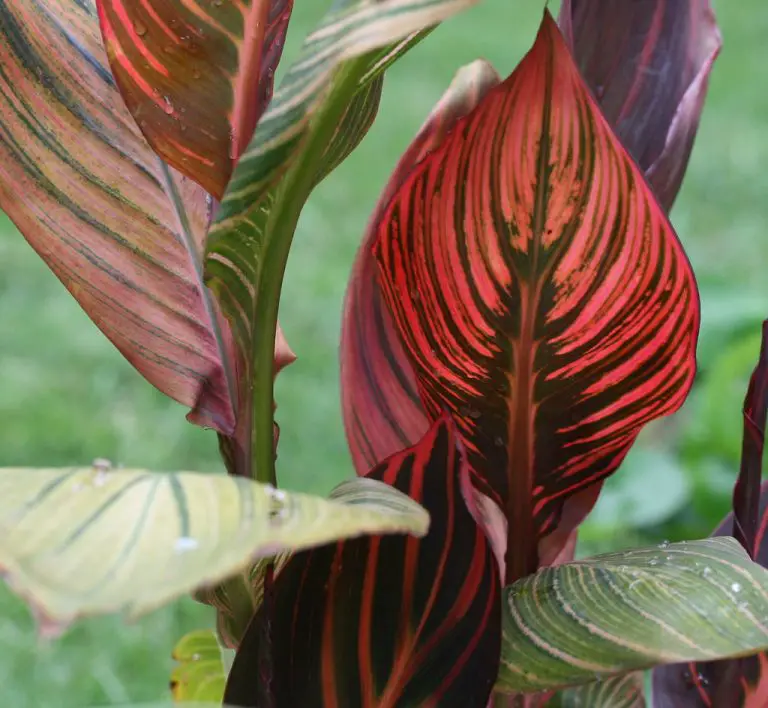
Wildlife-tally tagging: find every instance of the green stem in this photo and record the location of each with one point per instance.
(281, 226)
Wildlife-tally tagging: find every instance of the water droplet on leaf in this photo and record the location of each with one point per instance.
(184, 544)
(736, 587)
(141, 28)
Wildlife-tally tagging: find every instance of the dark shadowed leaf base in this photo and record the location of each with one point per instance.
(384, 622)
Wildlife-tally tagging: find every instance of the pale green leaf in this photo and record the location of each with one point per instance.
(620, 612)
(87, 541)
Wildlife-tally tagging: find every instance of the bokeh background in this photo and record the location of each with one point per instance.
(67, 397)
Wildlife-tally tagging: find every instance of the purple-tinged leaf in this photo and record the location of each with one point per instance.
(740, 682)
(648, 64)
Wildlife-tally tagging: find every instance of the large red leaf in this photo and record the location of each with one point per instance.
(196, 76)
(387, 621)
(741, 682)
(539, 291)
(648, 63)
(121, 230)
(380, 402)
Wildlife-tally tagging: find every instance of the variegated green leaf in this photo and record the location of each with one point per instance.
(625, 691)
(77, 542)
(620, 612)
(320, 112)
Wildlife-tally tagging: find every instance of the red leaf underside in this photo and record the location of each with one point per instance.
(389, 621)
(539, 292)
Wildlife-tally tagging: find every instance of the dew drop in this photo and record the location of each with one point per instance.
(600, 91)
(707, 571)
(664, 544)
(168, 107)
(653, 561)
(736, 587)
(184, 544)
(195, 74)
(140, 27)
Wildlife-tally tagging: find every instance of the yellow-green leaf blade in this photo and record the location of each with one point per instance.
(621, 612)
(91, 541)
(199, 674)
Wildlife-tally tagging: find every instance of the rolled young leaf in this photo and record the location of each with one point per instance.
(166, 533)
(620, 612)
(742, 682)
(315, 118)
(196, 76)
(199, 674)
(377, 623)
(648, 64)
(540, 293)
(121, 230)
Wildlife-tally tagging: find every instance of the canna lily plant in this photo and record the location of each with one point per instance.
(519, 309)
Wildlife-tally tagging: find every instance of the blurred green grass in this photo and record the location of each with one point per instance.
(66, 396)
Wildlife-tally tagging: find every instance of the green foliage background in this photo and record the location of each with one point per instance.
(67, 397)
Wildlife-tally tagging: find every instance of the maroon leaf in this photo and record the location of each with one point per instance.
(648, 63)
(739, 682)
(540, 293)
(388, 621)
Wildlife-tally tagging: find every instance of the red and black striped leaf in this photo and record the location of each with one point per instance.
(738, 682)
(196, 76)
(539, 291)
(380, 400)
(382, 621)
(648, 64)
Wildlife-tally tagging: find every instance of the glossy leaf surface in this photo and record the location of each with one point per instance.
(320, 112)
(648, 63)
(199, 673)
(121, 230)
(166, 533)
(742, 682)
(196, 76)
(539, 291)
(376, 623)
(626, 611)
(380, 399)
